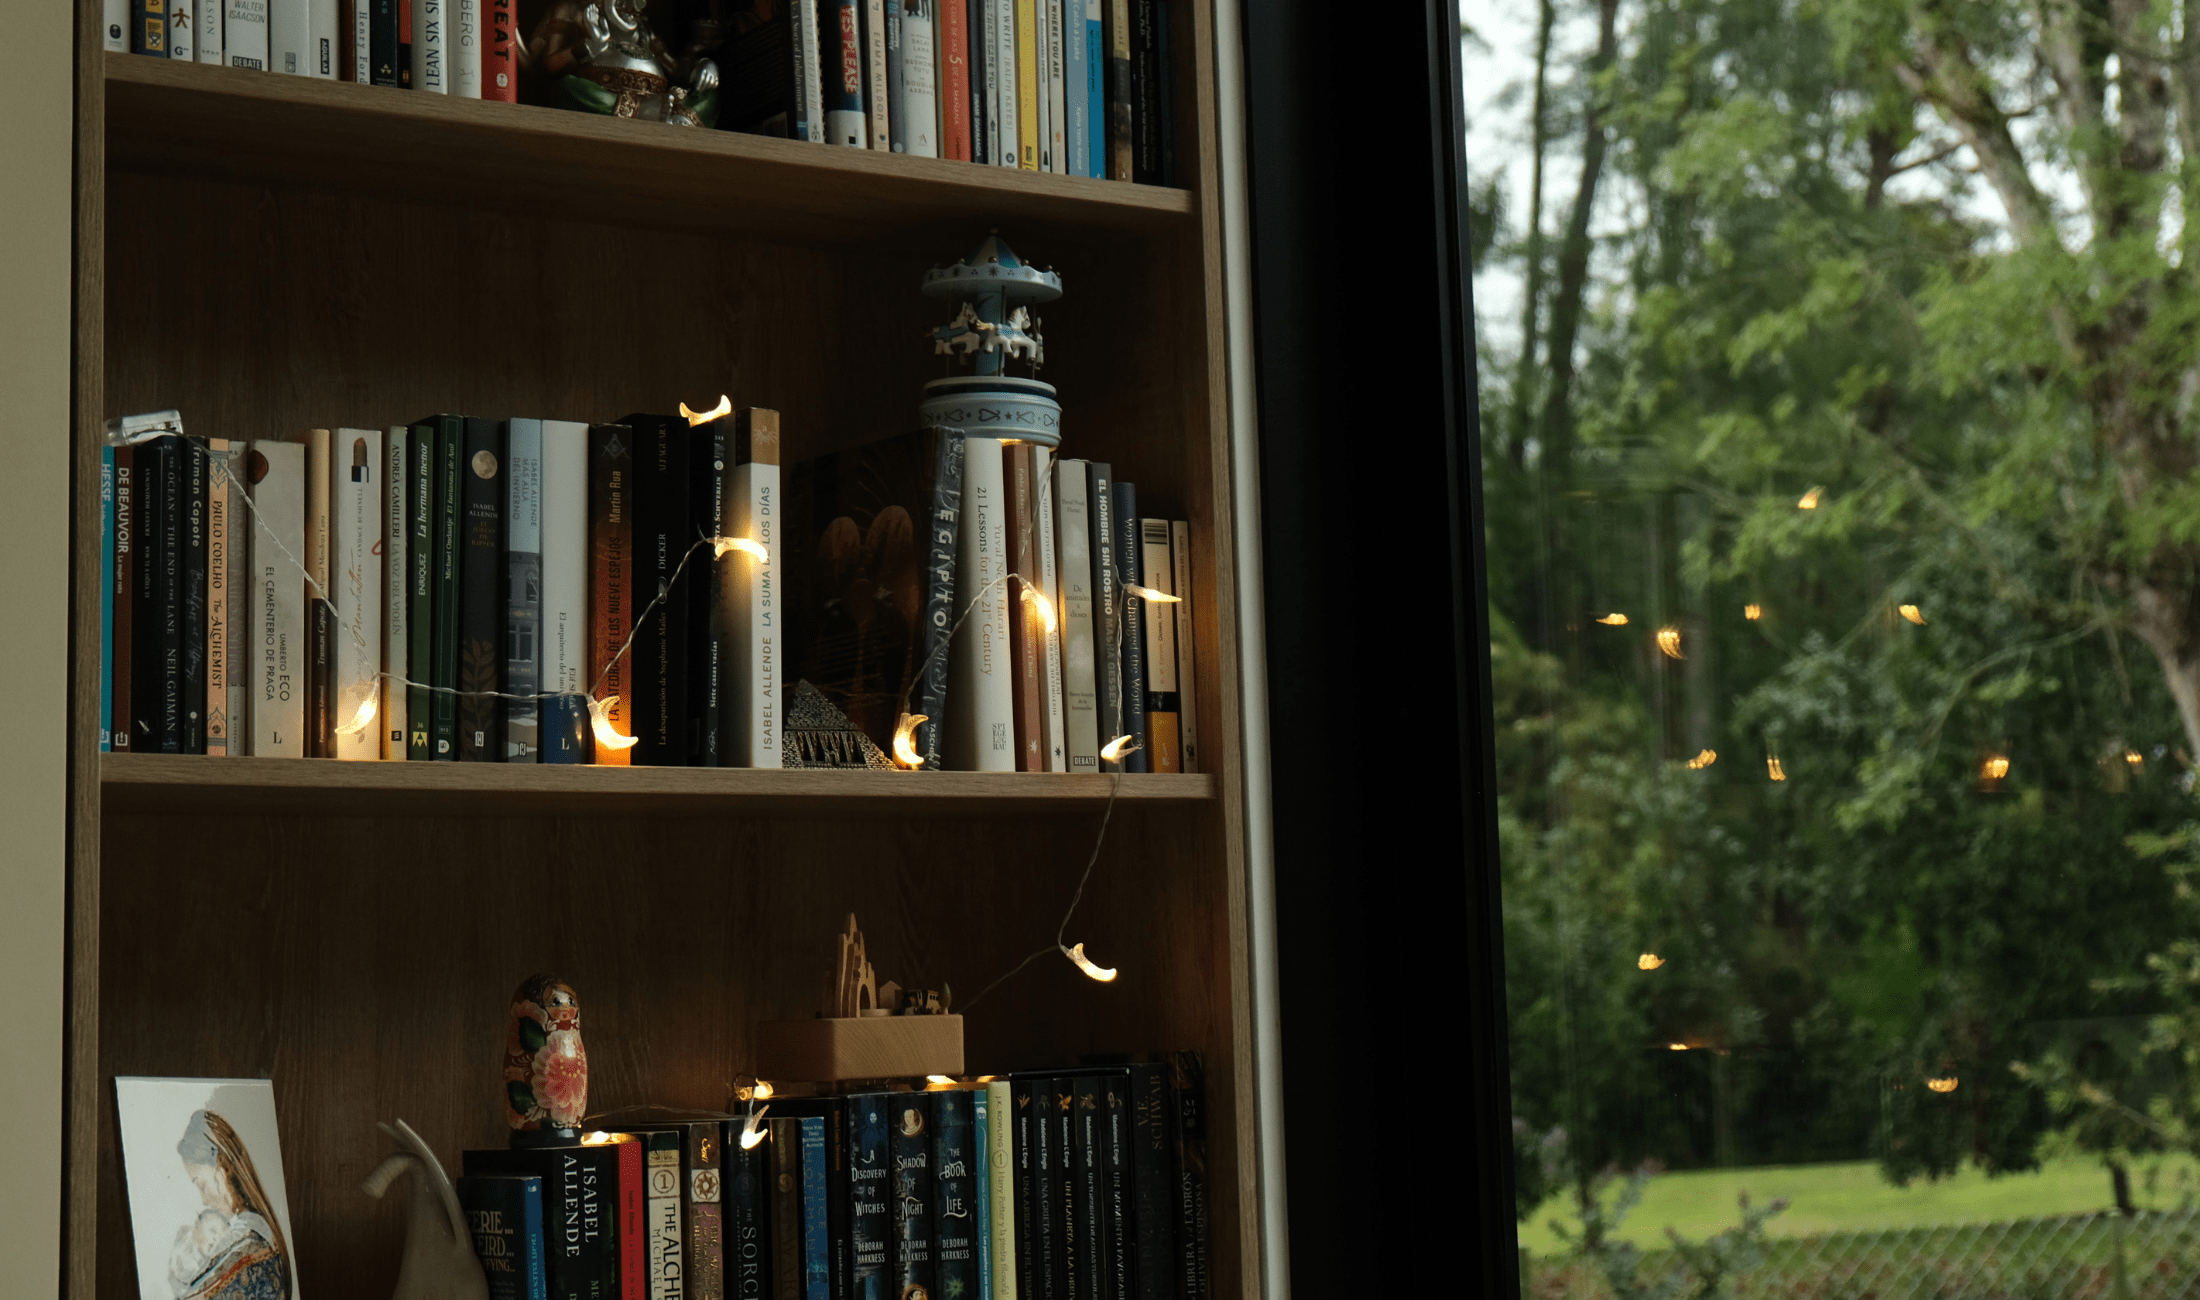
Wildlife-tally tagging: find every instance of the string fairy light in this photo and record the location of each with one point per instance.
(1614, 619)
(1810, 500)
(1649, 961)
(1912, 613)
(1038, 601)
(905, 741)
(1150, 596)
(1115, 750)
(599, 720)
(1089, 966)
(1669, 641)
(750, 1133)
(724, 407)
(362, 718)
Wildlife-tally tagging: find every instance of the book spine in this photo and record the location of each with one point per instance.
(320, 600)
(897, 123)
(910, 1271)
(522, 589)
(919, 100)
(121, 596)
(758, 641)
(356, 562)
(632, 1201)
(106, 597)
(181, 21)
(939, 596)
(421, 515)
(405, 44)
(1008, 146)
(244, 33)
(877, 104)
(985, 101)
(1088, 1203)
(450, 458)
(191, 585)
(1145, 93)
(953, 1196)
(840, 1205)
(1026, 37)
(1117, 1278)
(1161, 700)
(500, 52)
(382, 42)
(563, 727)
(1119, 89)
(953, 28)
(145, 599)
(278, 485)
(533, 1230)
(1151, 1161)
(237, 624)
(597, 1171)
(1188, 1095)
(661, 1161)
(710, 615)
(1048, 1167)
(1057, 79)
(1003, 1180)
(808, 71)
(358, 22)
(840, 54)
(207, 39)
(662, 539)
(504, 1216)
(817, 1244)
(748, 1245)
(1107, 604)
(289, 30)
(1027, 633)
(1073, 537)
(1164, 73)
(700, 1170)
(1032, 1238)
(786, 1207)
(427, 46)
(1187, 710)
(610, 579)
(981, 1192)
(870, 1163)
(1128, 552)
(396, 693)
(1056, 740)
(462, 49)
(324, 37)
(175, 505)
(114, 27)
(482, 608)
(1095, 90)
(982, 700)
(1072, 1248)
(1075, 57)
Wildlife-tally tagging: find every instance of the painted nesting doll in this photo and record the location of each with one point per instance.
(545, 1066)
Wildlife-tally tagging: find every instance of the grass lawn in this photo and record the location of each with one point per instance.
(1852, 1197)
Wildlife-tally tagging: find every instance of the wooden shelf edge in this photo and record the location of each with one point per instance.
(179, 782)
(234, 123)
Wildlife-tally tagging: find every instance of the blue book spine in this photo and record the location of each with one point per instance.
(106, 597)
(504, 1213)
(959, 1211)
(870, 1165)
(1076, 134)
(1096, 92)
(817, 1244)
(981, 1191)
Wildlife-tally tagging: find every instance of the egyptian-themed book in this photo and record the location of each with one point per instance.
(522, 590)
(611, 579)
(504, 1214)
(872, 580)
(483, 609)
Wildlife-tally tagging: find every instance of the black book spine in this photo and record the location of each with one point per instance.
(123, 725)
(1132, 683)
(1088, 1195)
(1152, 1161)
(192, 460)
(482, 612)
(382, 43)
(974, 59)
(579, 1212)
(1064, 1202)
(1117, 1278)
(786, 1207)
(910, 1269)
(145, 602)
(870, 1186)
(1031, 1260)
(1145, 92)
(661, 539)
(450, 449)
(709, 639)
(1165, 100)
(939, 596)
(748, 1230)
(419, 593)
(1188, 1093)
(169, 618)
(955, 1209)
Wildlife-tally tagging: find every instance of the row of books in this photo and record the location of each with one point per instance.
(461, 588)
(1073, 87)
(1080, 1185)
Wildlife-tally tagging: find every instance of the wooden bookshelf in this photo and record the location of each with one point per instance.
(268, 254)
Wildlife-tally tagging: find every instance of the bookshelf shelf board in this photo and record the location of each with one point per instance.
(234, 124)
(160, 782)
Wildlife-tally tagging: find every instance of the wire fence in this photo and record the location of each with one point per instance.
(2151, 1256)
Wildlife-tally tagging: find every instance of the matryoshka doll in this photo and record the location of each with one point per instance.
(545, 1066)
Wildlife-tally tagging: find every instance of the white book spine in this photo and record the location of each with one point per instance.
(1073, 567)
(209, 35)
(564, 588)
(278, 599)
(920, 105)
(462, 46)
(182, 31)
(981, 699)
(1057, 88)
(396, 632)
(114, 34)
(289, 31)
(754, 696)
(809, 76)
(874, 63)
(1003, 72)
(244, 33)
(1053, 735)
(427, 46)
(1039, 100)
(235, 707)
(356, 467)
(1187, 712)
(523, 589)
(327, 43)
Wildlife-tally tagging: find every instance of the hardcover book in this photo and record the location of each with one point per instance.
(522, 589)
(817, 1243)
(504, 1214)
(873, 580)
(831, 1115)
(1151, 1151)
(870, 1188)
(277, 475)
(580, 1216)
(748, 1239)
(1159, 574)
(564, 647)
(483, 610)
(610, 579)
(957, 1206)
(909, 1269)
(662, 540)
(355, 580)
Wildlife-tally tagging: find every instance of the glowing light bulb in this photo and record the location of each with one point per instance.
(1753, 611)
(1115, 749)
(1677, 1047)
(1810, 500)
(1943, 1085)
(2132, 757)
(1649, 961)
(937, 1078)
(720, 545)
(762, 1091)
(905, 741)
(363, 718)
(1703, 759)
(1994, 768)
(1669, 640)
(599, 718)
(1614, 620)
(1149, 594)
(724, 407)
(750, 1133)
(1911, 613)
(597, 1138)
(1773, 768)
(1087, 965)
(1037, 600)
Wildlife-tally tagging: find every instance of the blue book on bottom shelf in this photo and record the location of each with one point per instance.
(817, 1276)
(504, 1213)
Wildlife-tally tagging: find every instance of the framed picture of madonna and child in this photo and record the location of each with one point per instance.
(208, 1215)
